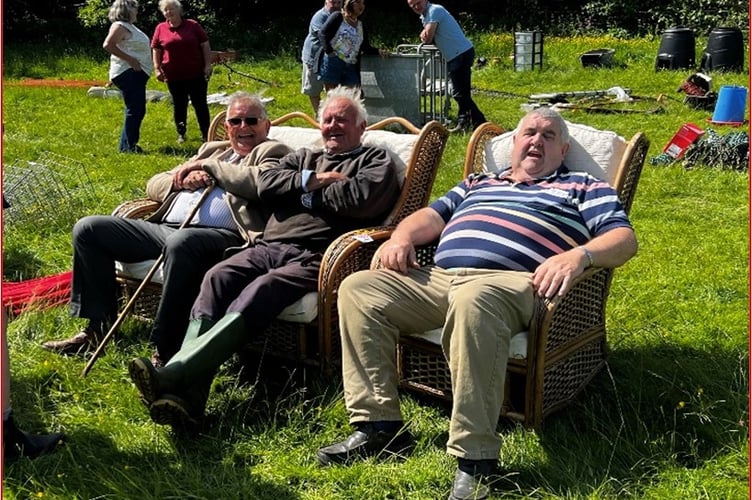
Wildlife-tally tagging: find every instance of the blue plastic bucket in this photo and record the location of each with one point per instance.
(730, 106)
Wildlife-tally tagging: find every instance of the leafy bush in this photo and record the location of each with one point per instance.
(641, 16)
(278, 27)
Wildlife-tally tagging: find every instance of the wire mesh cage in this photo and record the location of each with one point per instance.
(53, 189)
(433, 83)
(412, 82)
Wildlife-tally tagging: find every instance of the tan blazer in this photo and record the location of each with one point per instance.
(239, 183)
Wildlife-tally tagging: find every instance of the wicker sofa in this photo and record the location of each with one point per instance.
(307, 331)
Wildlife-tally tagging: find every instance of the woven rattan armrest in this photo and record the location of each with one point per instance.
(631, 168)
(394, 120)
(136, 209)
(349, 253)
(475, 156)
(561, 322)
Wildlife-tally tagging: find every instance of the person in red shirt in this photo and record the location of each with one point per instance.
(182, 59)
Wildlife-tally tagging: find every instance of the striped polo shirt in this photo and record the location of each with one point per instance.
(493, 222)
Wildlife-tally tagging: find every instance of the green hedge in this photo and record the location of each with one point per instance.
(268, 26)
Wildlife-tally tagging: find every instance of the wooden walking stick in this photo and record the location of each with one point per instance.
(144, 282)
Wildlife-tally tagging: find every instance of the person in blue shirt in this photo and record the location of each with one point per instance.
(442, 30)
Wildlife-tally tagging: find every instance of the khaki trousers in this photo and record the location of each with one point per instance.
(479, 309)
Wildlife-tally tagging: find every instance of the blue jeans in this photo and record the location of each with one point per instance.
(460, 69)
(132, 85)
(335, 71)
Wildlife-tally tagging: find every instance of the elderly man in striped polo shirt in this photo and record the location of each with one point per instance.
(503, 237)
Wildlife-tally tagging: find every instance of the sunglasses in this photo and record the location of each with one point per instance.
(249, 120)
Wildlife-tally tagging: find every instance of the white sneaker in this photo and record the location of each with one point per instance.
(181, 138)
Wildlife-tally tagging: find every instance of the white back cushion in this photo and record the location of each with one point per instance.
(297, 137)
(400, 146)
(597, 152)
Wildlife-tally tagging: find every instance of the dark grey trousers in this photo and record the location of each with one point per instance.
(100, 240)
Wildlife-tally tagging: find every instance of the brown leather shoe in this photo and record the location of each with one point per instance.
(78, 344)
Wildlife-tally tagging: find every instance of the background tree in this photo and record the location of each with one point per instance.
(266, 27)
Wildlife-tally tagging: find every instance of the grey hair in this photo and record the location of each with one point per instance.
(119, 11)
(552, 115)
(352, 94)
(252, 99)
(174, 3)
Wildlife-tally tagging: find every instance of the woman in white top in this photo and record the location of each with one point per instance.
(344, 39)
(130, 67)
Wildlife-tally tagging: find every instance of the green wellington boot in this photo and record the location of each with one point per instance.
(183, 412)
(197, 327)
(150, 380)
(202, 355)
(197, 360)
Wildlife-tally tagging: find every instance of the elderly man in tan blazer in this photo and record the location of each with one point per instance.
(230, 215)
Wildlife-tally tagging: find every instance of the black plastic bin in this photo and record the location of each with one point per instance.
(725, 51)
(598, 58)
(677, 49)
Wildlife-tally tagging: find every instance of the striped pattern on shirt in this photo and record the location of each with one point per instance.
(214, 211)
(494, 222)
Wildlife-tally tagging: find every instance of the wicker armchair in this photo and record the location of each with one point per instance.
(566, 342)
(310, 331)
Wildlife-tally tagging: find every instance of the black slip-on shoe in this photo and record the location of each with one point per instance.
(18, 443)
(475, 486)
(366, 442)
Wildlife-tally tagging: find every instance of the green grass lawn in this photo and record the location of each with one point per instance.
(667, 419)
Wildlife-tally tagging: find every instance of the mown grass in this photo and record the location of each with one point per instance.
(667, 419)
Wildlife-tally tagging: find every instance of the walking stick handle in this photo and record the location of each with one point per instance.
(129, 305)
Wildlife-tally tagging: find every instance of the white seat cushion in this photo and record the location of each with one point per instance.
(597, 152)
(138, 270)
(517, 345)
(304, 310)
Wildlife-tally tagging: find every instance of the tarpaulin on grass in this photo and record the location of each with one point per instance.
(37, 293)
